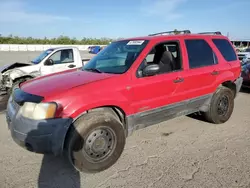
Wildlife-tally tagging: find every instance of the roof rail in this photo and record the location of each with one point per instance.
(171, 32)
(207, 33)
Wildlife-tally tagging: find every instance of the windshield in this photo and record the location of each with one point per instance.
(117, 57)
(42, 56)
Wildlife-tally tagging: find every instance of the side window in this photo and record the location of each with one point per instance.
(167, 55)
(63, 56)
(225, 49)
(200, 53)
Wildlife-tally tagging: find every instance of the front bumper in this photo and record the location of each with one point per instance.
(43, 136)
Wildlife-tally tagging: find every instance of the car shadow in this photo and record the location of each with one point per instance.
(245, 90)
(198, 117)
(55, 171)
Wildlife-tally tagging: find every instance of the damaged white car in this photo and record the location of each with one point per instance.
(49, 61)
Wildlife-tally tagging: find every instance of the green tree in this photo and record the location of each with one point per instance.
(63, 40)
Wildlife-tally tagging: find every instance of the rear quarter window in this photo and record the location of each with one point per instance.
(226, 49)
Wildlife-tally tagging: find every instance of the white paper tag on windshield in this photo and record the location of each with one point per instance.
(135, 42)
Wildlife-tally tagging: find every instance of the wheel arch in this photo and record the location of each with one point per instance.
(23, 77)
(231, 85)
(118, 111)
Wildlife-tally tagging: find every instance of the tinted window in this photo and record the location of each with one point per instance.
(225, 49)
(200, 53)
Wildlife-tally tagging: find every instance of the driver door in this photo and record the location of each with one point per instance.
(62, 60)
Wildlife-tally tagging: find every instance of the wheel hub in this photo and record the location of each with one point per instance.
(99, 143)
(223, 105)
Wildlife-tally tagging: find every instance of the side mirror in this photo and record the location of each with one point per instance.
(151, 70)
(49, 62)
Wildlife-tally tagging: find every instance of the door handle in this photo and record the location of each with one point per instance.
(178, 80)
(72, 66)
(215, 72)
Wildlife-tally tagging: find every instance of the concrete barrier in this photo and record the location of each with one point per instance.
(32, 47)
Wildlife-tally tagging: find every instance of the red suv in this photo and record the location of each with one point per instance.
(131, 84)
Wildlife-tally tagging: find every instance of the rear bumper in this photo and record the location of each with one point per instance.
(43, 136)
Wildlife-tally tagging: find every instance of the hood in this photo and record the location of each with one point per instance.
(60, 82)
(12, 66)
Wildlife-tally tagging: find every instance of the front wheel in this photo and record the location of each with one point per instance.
(221, 106)
(95, 141)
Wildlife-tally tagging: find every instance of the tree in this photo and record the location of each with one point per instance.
(59, 40)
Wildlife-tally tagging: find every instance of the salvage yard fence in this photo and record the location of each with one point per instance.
(38, 47)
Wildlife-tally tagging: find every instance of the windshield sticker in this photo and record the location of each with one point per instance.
(135, 42)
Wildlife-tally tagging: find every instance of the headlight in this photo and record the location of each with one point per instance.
(38, 111)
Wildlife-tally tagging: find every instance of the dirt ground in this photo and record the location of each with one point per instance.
(183, 152)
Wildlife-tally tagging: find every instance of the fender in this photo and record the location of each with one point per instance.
(82, 105)
(35, 74)
(16, 73)
(223, 77)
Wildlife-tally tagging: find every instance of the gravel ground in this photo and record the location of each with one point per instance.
(183, 152)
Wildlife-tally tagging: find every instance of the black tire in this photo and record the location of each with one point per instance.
(80, 145)
(218, 113)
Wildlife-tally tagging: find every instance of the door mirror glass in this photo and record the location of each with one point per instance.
(49, 62)
(151, 70)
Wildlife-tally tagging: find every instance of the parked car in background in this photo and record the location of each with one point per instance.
(131, 84)
(245, 72)
(244, 54)
(49, 61)
(95, 49)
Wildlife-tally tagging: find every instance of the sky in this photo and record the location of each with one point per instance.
(130, 18)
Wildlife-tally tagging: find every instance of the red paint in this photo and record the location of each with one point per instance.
(78, 91)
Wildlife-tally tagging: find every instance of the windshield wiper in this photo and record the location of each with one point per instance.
(93, 70)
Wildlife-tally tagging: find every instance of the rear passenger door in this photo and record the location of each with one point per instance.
(202, 69)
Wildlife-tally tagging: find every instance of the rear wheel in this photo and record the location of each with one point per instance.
(95, 141)
(221, 106)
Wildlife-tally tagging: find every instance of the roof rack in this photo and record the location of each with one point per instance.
(171, 32)
(207, 33)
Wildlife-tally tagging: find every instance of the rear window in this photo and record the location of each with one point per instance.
(225, 49)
